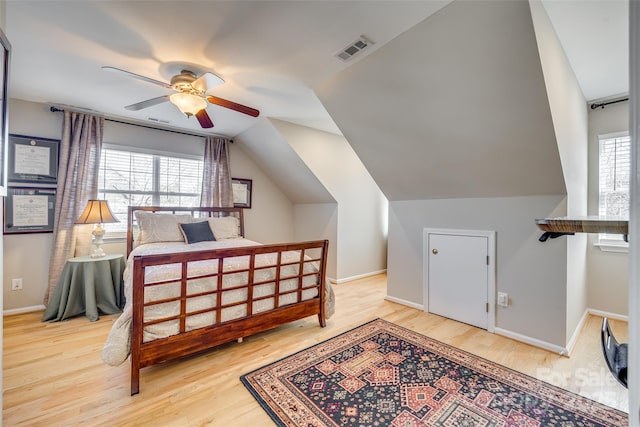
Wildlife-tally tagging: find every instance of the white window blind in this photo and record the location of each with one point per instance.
(144, 179)
(615, 173)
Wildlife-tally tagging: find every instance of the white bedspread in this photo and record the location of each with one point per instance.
(118, 345)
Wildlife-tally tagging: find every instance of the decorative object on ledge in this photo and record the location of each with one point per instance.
(4, 106)
(29, 210)
(556, 227)
(97, 212)
(33, 160)
(241, 192)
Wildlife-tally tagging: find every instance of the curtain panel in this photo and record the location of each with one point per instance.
(216, 176)
(80, 147)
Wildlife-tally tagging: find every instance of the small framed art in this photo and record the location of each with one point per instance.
(241, 192)
(29, 210)
(33, 160)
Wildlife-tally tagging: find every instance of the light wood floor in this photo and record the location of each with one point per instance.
(53, 374)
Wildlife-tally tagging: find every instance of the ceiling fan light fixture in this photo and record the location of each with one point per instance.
(188, 103)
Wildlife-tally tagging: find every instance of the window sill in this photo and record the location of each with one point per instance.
(621, 247)
(115, 238)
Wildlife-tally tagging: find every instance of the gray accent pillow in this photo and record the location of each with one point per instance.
(197, 232)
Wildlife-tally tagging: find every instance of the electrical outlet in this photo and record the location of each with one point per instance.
(16, 284)
(503, 299)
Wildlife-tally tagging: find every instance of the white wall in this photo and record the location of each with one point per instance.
(269, 220)
(570, 123)
(314, 209)
(607, 272)
(361, 226)
(532, 273)
(315, 221)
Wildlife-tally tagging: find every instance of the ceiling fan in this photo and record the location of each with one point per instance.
(190, 95)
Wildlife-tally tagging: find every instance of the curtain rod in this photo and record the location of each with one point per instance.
(604, 104)
(55, 109)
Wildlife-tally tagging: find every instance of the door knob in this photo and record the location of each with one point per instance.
(434, 251)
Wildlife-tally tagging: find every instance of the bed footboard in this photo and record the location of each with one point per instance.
(220, 296)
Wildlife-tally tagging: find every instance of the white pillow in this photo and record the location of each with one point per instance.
(157, 227)
(227, 227)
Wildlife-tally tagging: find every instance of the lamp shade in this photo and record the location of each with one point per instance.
(96, 212)
(188, 103)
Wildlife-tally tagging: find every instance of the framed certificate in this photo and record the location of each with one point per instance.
(33, 160)
(29, 210)
(241, 192)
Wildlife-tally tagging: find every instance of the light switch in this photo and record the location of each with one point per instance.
(503, 299)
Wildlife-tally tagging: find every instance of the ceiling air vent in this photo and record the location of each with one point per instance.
(354, 48)
(153, 119)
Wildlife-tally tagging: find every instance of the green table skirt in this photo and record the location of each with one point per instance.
(90, 286)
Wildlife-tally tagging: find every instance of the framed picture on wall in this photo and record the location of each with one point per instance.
(29, 210)
(33, 160)
(241, 192)
(4, 106)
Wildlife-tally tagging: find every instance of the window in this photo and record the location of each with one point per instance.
(145, 179)
(615, 173)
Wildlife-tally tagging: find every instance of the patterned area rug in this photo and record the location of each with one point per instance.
(381, 374)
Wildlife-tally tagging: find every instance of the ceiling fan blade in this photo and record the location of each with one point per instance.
(138, 76)
(148, 103)
(204, 119)
(207, 81)
(233, 106)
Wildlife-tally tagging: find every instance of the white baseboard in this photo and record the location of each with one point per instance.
(509, 334)
(359, 276)
(532, 341)
(610, 315)
(23, 310)
(405, 302)
(576, 333)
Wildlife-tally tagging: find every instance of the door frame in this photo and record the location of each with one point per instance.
(491, 267)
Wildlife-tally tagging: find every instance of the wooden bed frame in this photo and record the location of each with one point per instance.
(150, 353)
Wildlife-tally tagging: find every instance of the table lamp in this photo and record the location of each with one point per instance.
(97, 212)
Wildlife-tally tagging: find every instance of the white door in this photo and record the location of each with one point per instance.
(458, 277)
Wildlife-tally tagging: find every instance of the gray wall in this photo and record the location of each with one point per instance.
(608, 276)
(361, 207)
(267, 147)
(314, 221)
(454, 107)
(532, 273)
(21, 251)
(570, 123)
(454, 121)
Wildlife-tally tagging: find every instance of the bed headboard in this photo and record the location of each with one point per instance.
(195, 212)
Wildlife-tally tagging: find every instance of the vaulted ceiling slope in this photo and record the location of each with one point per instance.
(455, 107)
(272, 152)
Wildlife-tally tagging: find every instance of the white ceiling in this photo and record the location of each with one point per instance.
(595, 37)
(270, 53)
